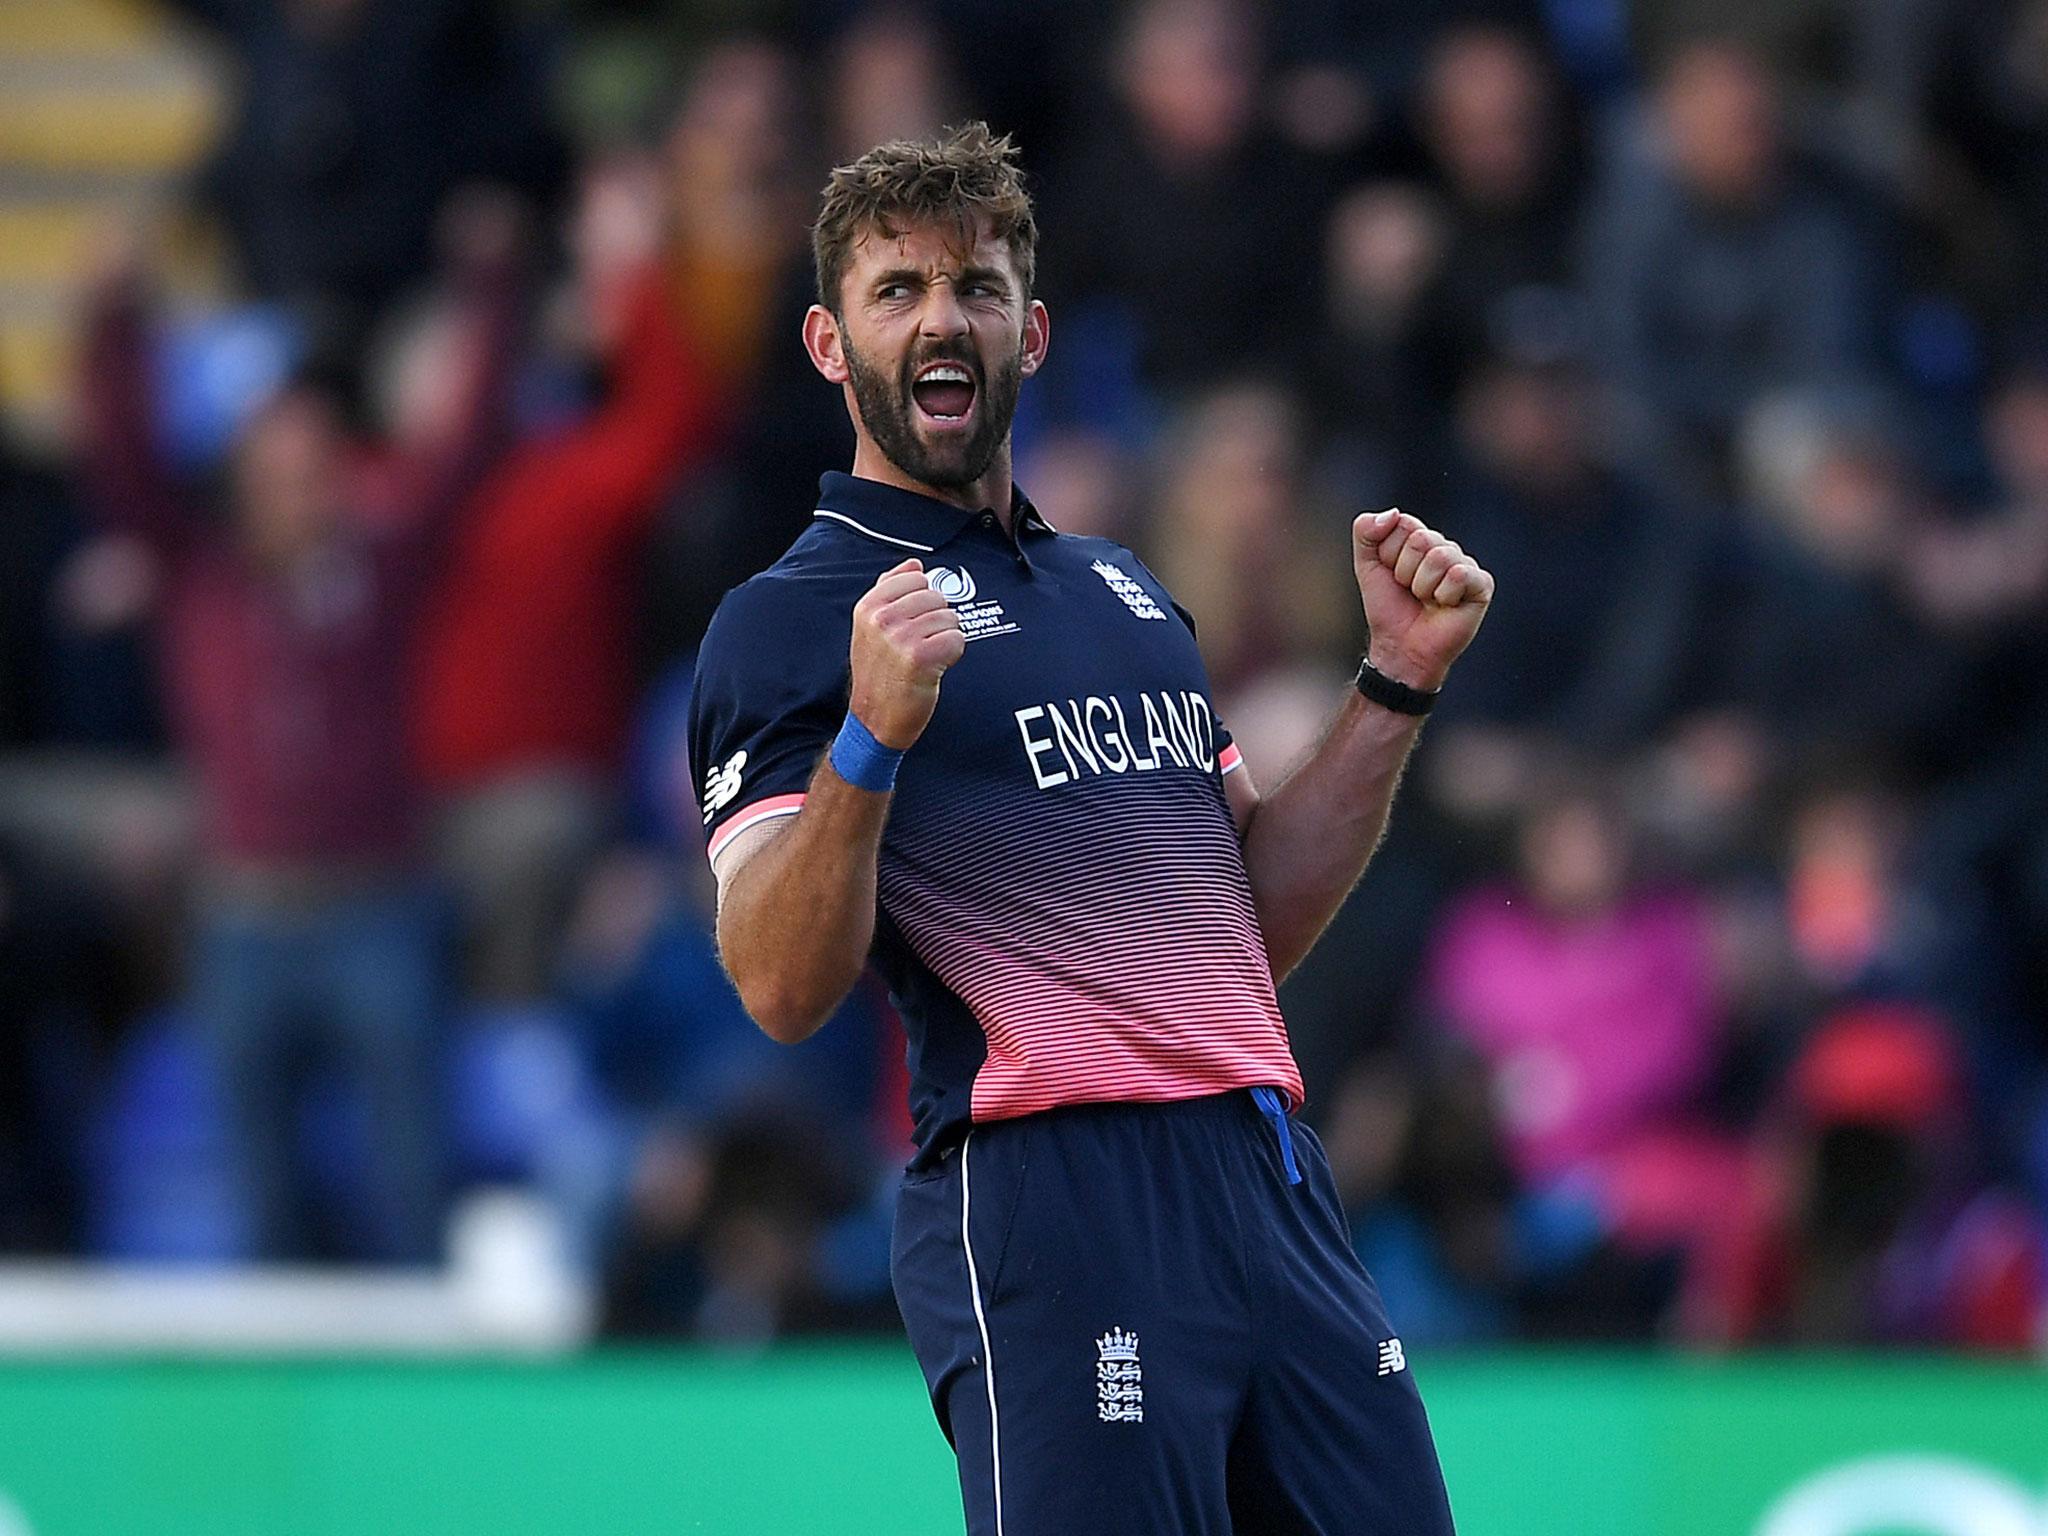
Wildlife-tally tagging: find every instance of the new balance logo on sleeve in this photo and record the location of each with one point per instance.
(721, 784)
(1391, 1358)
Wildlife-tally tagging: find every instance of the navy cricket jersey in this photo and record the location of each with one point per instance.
(1064, 915)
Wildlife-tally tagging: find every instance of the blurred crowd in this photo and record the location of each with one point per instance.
(349, 863)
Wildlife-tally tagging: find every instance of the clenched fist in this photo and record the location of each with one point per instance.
(1424, 596)
(904, 637)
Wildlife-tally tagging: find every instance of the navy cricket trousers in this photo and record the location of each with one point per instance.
(1134, 1320)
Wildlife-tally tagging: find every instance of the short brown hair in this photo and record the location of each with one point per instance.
(966, 173)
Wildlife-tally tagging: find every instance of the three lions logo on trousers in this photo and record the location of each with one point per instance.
(1119, 1379)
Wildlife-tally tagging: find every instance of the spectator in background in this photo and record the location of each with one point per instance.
(1862, 70)
(1722, 273)
(689, 1080)
(286, 628)
(664, 1032)
(1592, 997)
(1378, 381)
(1093, 482)
(1198, 228)
(1233, 535)
(352, 122)
(1981, 582)
(731, 155)
(1978, 88)
(1818, 640)
(1577, 658)
(1992, 572)
(72, 672)
(888, 77)
(1492, 117)
(731, 1241)
(1469, 1253)
(1854, 921)
(1579, 662)
(739, 269)
(1427, 1187)
(1867, 1223)
(1349, 73)
(526, 668)
(1867, 913)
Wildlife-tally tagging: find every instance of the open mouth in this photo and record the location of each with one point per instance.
(944, 393)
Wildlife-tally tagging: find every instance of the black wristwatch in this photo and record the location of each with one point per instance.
(1398, 697)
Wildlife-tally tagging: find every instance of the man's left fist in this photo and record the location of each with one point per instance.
(1424, 596)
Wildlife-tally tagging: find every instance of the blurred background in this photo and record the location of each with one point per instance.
(391, 388)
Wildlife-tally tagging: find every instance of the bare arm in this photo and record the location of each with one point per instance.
(1306, 844)
(128, 482)
(486, 239)
(796, 907)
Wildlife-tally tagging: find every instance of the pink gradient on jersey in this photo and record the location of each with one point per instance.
(1107, 945)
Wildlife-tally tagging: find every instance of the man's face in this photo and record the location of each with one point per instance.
(1721, 114)
(1190, 75)
(287, 468)
(937, 335)
(1488, 118)
(1532, 426)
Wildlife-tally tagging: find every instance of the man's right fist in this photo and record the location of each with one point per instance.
(904, 637)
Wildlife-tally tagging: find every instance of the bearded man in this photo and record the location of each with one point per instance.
(941, 737)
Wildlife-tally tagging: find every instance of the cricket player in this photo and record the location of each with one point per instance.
(941, 737)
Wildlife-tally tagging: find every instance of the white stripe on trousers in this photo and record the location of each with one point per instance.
(988, 1360)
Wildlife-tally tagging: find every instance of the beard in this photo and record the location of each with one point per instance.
(889, 412)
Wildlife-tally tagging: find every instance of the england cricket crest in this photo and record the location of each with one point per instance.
(1126, 587)
(1119, 1379)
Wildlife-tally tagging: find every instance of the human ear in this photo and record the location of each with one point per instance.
(822, 341)
(1037, 336)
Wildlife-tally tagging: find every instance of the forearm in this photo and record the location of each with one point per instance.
(1306, 845)
(490, 299)
(659, 414)
(663, 403)
(795, 921)
(127, 482)
(1308, 841)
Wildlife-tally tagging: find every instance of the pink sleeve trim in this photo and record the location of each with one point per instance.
(1229, 760)
(753, 815)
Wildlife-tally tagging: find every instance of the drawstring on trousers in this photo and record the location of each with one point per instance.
(1273, 1105)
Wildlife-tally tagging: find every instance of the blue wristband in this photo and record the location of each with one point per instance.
(863, 761)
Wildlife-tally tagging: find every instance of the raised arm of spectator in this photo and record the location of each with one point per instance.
(129, 484)
(658, 415)
(486, 240)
